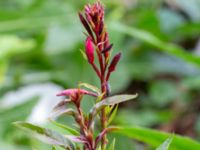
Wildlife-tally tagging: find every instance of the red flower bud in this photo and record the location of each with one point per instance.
(74, 92)
(89, 49)
(114, 62)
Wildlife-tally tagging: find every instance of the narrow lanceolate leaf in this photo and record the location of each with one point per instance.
(83, 54)
(69, 129)
(61, 104)
(166, 144)
(112, 101)
(91, 87)
(145, 36)
(109, 101)
(62, 111)
(46, 135)
(112, 116)
(155, 138)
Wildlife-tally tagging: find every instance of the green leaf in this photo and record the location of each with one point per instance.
(165, 145)
(112, 145)
(10, 45)
(45, 135)
(53, 148)
(91, 87)
(3, 69)
(69, 129)
(111, 101)
(83, 54)
(113, 114)
(155, 138)
(154, 41)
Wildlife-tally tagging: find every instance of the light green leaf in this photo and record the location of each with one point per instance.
(165, 145)
(45, 135)
(10, 44)
(3, 69)
(154, 41)
(91, 87)
(69, 129)
(112, 145)
(83, 54)
(155, 138)
(53, 148)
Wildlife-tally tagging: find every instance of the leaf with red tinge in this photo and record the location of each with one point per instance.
(60, 112)
(61, 104)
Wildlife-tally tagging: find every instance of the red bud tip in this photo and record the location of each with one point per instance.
(114, 62)
(89, 49)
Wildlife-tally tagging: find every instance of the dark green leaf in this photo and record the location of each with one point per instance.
(153, 40)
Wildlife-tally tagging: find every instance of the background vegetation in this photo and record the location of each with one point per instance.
(40, 42)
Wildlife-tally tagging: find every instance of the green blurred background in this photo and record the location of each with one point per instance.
(40, 42)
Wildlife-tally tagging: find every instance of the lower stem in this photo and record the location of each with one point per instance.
(103, 124)
(103, 119)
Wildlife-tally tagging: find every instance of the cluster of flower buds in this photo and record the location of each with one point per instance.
(97, 40)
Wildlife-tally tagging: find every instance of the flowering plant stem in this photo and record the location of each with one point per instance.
(97, 46)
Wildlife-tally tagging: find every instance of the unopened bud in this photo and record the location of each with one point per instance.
(114, 62)
(89, 49)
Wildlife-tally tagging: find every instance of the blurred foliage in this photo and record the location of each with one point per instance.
(40, 42)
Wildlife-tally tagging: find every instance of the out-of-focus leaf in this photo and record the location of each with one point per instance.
(165, 145)
(3, 68)
(45, 135)
(18, 112)
(69, 129)
(190, 7)
(155, 138)
(169, 20)
(167, 89)
(153, 40)
(191, 83)
(10, 44)
(142, 117)
(9, 146)
(53, 148)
